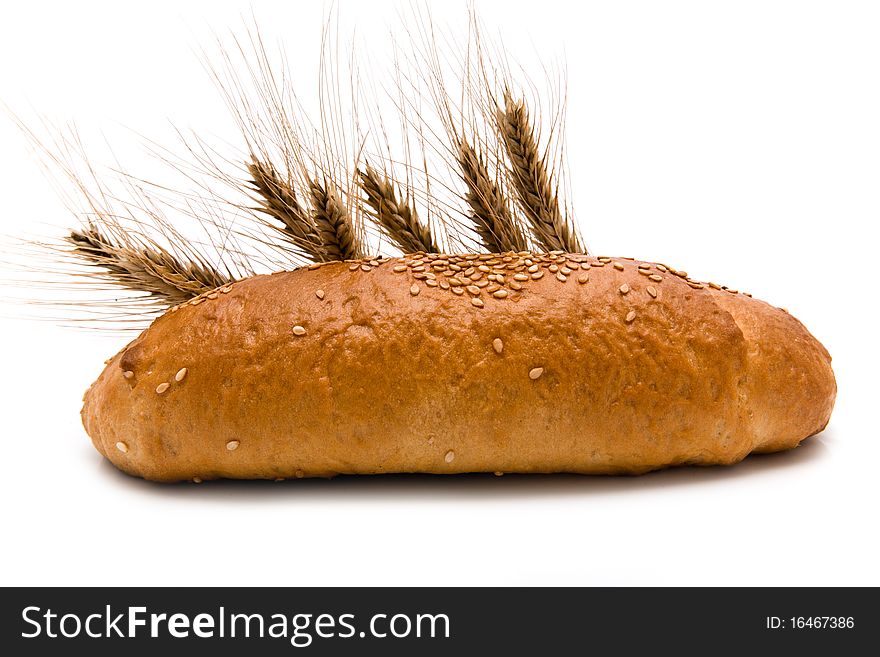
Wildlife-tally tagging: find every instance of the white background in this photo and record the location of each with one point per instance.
(737, 140)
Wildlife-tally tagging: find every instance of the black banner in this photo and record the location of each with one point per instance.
(394, 621)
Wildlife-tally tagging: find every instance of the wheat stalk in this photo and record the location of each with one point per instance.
(278, 199)
(333, 223)
(528, 173)
(494, 222)
(398, 220)
(145, 268)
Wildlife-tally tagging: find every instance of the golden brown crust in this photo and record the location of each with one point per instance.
(568, 364)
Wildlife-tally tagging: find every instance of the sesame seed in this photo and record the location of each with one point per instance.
(181, 373)
(300, 474)
(696, 286)
(444, 284)
(458, 290)
(535, 373)
(197, 480)
(232, 445)
(520, 277)
(352, 267)
(197, 301)
(604, 259)
(537, 275)
(585, 265)
(583, 278)
(317, 265)
(122, 447)
(565, 270)
(431, 283)
(499, 474)
(500, 294)
(374, 263)
(618, 266)
(450, 455)
(212, 295)
(128, 374)
(491, 289)
(645, 272)
(533, 269)
(715, 286)
(299, 330)
(652, 291)
(473, 289)
(561, 277)
(630, 316)
(624, 289)
(414, 290)
(162, 387)
(515, 286)
(399, 268)
(656, 277)
(598, 264)
(484, 269)
(497, 345)
(319, 294)
(477, 302)
(365, 268)
(644, 266)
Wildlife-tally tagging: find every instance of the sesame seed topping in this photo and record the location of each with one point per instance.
(128, 374)
(162, 387)
(695, 286)
(477, 302)
(645, 272)
(535, 373)
(652, 291)
(299, 330)
(585, 265)
(431, 283)
(473, 289)
(656, 278)
(624, 289)
(319, 294)
(561, 277)
(565, 270)
(122, 447)
(604, 259)
(500, 294)
(213, 295)
(553, 269)
(520, 277)
(533, 269)
(663, 268)
(399, 268)
(232, 445)
(181, 373)
(197, 480)
(583, 278)
(515, 286)
(598, 264)
(450, 455)
(497, 345)
(499, 474)
(630, 316)
(444, 284)
(352, 267)
(365, 268)
(414, 290)
(537, 275)
(618, 266)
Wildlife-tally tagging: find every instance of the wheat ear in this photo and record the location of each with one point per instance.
(397, 219)
(528, 173)
(145, 268)
(493, 220)
(333, 223)
(278, 199)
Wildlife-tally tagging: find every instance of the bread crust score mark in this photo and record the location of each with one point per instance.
(513, 362)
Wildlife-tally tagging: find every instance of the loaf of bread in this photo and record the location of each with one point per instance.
(515, 362)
